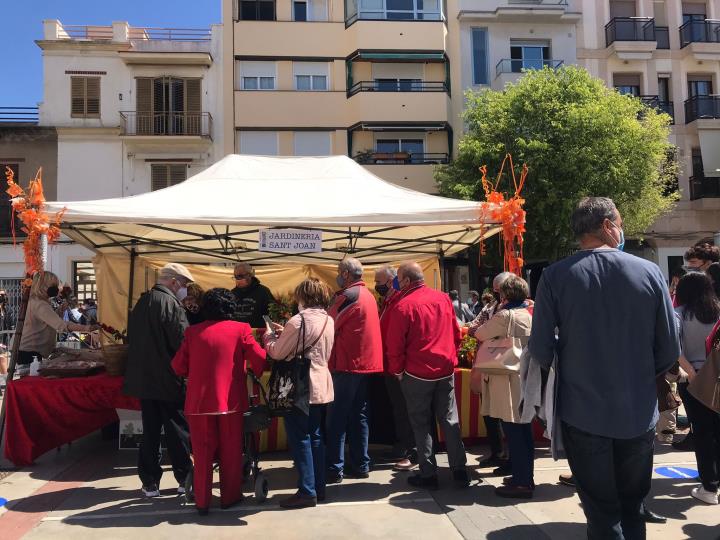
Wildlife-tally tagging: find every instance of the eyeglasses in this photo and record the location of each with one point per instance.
(242, 276)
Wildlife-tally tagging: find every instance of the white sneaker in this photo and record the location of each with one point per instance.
(181, 490)
(150, 491)
(701, 494)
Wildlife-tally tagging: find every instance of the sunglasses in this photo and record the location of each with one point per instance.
(243, 276)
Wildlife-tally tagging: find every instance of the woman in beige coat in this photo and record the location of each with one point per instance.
(501, 393)
(305, 431)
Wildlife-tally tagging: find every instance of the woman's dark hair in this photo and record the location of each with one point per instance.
(696, 295)
(219, 304)
(515, 289)
(703, 252)
(714, 272)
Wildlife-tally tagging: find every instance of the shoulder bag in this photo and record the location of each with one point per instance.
(289, 385)
(499, 356)
(705, 387)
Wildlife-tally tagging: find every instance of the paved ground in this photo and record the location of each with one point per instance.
(90, 491)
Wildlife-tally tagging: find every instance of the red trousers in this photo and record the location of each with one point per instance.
(218, 435)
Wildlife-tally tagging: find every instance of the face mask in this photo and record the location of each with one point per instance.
(181, 294)
(340, 281)
(621, 244)
(52, 292)
(382, 290)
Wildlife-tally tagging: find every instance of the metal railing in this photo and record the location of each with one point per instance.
(515, 65)
(170, 123)
(707, 31)
(662, 34)
(19, 115)
(397, 86)
(402, 158)
(702, 107)
(540, 2)
(702, 187)
(630, 29)
(667, 107)
(105, 33)
(394, 15)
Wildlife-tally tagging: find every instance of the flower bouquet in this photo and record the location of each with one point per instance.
(282, 309)
(466, 354)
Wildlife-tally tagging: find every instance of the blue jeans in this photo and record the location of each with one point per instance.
(305, 437)
(348, 414)
(522, 453)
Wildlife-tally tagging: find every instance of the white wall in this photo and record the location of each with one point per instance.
(89, 169)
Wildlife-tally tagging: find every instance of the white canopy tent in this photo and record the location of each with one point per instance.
(215, 216)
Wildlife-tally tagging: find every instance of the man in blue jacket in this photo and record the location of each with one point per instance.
(616, 332)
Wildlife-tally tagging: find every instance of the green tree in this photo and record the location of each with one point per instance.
(578, 138)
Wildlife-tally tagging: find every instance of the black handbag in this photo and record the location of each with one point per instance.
(289, 385)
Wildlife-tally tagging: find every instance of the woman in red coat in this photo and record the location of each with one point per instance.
(213, 357)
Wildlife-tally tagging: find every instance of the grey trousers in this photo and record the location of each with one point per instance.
(420, 397)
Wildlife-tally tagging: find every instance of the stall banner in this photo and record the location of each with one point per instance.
(290, 240)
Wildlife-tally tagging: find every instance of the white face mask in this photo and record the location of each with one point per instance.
(181, 294)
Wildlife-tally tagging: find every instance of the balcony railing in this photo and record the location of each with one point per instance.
(702, 187)
(540, 2)
(663, 106)
(630, 29)
(394, 15)
(19, 115)
(105, 33)
(398, 86)
(508, 65)
(706, 31)
(662, 34)
(91, 33)
(401, 158)
(171, 124)
(702, 107)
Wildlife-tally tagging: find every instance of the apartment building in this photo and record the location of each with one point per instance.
(369, 79)
(131, 110)
(667, 52)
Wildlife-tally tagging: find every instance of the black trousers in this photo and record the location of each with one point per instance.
(157, 415)
(612, 478)
(494, 435)
(522, 453)
(404, 436)
(706, 435)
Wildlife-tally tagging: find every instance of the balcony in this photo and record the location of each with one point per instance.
(702, 187)
(662, 34)
(382, 14)
(508, 65)
(401, 158)
(398, 107)
(702, 107)
(707, 31)
(18, 115)
(173, 124)
(662, 106)
(630, 29)
(398, 86)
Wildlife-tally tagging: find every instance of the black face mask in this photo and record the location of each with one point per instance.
(52, 292)
(382, 290)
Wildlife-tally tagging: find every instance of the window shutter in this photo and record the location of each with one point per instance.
(92, 96)
(177, 174)
(158, 177)
(193, 96)
(143, 95)
(77, 96)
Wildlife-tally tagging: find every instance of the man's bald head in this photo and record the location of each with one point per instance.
(412, 272)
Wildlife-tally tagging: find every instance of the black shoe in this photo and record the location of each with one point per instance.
(461, 478)
(203, 511)
(651, 517)
(424, 482)
(320, 497)
(503, 470)
(686, 445)
(333, 478)
(358, 475)
(492, 461)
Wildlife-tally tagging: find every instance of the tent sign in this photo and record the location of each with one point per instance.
(290, 240)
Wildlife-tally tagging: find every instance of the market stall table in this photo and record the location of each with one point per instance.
(43, 414)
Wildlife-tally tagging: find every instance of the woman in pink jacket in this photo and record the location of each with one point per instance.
(305, 430)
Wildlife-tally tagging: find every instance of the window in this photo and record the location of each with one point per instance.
(258, 143)
(627, 83)
(168, 106)
(6, 227)
(85, 97)
(664, 89)
(413, 147)
(256, 10)
(480, 55)
(256, 75)
(165, 175)
(699, 87)
(698, 170)
(398, 85)
(311, 75)
(528, 56)
(312, 143)
(84, 280)
(399, 10)
(300, 11)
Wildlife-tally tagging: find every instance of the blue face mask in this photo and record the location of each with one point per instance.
(621, 244)
(340, 281)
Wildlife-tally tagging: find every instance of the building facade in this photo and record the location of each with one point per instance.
(131, 110)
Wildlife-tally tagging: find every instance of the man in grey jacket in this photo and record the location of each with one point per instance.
(616, 332)
(156, 328)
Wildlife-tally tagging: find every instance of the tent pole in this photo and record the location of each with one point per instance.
(133, 255)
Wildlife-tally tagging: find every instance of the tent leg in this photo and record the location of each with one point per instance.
(133, 256)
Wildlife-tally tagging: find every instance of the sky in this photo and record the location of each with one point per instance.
(20, 58)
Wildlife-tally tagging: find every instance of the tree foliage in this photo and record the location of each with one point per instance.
(578, 138)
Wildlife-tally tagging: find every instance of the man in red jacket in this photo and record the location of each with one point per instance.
(421, 347)
(357, 352)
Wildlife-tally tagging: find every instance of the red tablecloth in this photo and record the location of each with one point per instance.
(43, 414)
